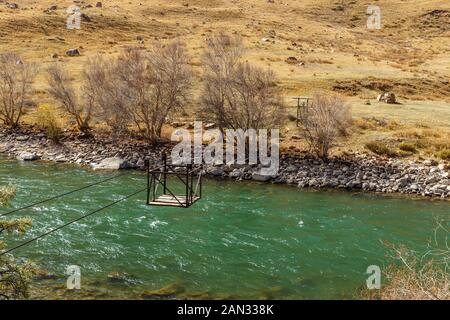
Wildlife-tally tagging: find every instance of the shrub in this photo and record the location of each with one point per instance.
(16, 78)
(444, 154)
(6, 194)
(380, 148)
(393, 125)
(409, 147)
(363, 124)
(417, 276)
(156, 83)
(139, 85)
(48, 121)
(112, 97)
(417, 281)
(80, 107)
(324, 121)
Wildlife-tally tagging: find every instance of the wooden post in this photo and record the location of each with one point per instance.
(201, 184)
(165, 173)
(148, 182)
(304, 104)
(187, 186)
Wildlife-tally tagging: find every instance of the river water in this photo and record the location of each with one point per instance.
(242, 240)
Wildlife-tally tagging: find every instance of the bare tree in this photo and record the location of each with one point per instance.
(16, 78)
(223, 54)
(323, 121)
(108, 93)
(80, 107)
(137, 86)
(155, 84)
(236, 94)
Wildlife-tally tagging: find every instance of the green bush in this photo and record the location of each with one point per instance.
(15, 274)
(6, 194)
(409, 147)
(48, 121)
(380, 148)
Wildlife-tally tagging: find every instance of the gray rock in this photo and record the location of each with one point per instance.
(431, 180)
(73, 52)
(387, 97)
(236, 173)
(291, 60)
(177, 124)
(114, 163)
(209, 126)
(260, 177)
(61, 158)
(140, 163)
(301, 184)
(312, 182)
(85, 18)
(215, 171)
(22, 138)
(402, 182)
(354, 184)
(291, 168)
(27, 156)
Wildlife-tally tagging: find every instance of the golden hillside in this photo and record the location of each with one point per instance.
(327, 42)
(330, 39)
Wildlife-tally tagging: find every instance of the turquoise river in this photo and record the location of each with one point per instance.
(242, 240)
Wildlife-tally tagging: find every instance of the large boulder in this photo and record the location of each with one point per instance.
(291, 168)
(73, 52)
(27, 156)
(291, 60)
(215, 171)
(236, 173)
(22, 138)
(85, 18)
(258, 176)
(114, 163)
(387, 97)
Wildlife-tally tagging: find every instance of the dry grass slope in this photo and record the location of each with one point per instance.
(329, 39)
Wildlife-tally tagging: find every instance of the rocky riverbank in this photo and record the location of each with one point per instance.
(359, 172)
